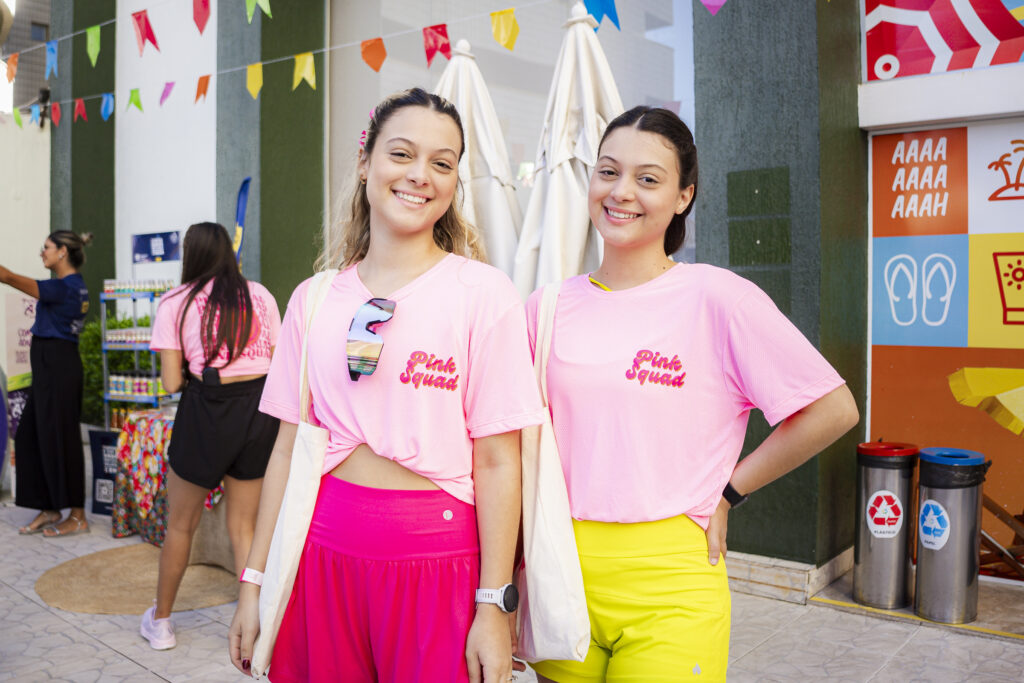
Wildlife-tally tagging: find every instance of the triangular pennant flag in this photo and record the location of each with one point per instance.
(17, 117)
(599, 9)
(168, 87)
(12, 66)
(254, 79)
(107, 105)
(134, 98)
(304, 70)
(143, 30)
(505, 27)
(435, 39)
(250, 7)
(33, 113)
(51, 58)
(80, 110)
(55, 114)
(202, 86)
(92, 43)
(201, 13)
(374, 53)
(713, 5)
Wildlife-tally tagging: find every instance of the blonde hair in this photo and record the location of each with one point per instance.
(348, 239)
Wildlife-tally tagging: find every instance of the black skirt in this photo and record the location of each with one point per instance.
(49, 460)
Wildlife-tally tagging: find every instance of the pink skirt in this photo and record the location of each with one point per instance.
(384, 591)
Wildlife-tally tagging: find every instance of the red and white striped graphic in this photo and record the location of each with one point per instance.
(914, 37)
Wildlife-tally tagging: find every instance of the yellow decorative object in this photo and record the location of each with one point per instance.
(997, 391)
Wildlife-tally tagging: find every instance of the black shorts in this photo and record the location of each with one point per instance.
(219, 431)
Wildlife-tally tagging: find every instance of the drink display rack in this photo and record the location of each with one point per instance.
(136, 387)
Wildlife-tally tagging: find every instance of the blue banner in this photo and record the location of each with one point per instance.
(155, 247)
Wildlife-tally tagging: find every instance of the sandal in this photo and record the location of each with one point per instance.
(81, 527)
(49, 520)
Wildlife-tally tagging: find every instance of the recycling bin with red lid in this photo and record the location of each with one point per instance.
(881, 564)
(948, 534)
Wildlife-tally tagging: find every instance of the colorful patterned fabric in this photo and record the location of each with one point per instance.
(140, 496)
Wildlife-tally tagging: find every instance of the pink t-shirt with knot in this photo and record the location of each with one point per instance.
(455, 366)
(254, 360)
(650, 388)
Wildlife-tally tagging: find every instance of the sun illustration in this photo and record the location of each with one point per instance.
(1014, 273)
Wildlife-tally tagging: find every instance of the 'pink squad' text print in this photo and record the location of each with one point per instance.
(445, 377)
(652, 368)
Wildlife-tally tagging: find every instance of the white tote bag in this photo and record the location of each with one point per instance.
(297, 505)
(553, 620)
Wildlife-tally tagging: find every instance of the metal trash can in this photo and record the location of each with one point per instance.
(948, 525)
(881, 564)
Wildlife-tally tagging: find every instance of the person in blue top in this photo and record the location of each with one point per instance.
(50, 464)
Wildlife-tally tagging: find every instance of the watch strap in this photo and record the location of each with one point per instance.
(734, 497)
(251, 576)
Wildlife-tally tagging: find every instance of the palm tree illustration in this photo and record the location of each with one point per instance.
(1001, 164)
(1020, 166)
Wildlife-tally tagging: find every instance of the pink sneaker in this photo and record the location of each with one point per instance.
(159, 632)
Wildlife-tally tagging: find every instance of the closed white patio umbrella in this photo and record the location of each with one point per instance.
(489, 200)
(557, 239)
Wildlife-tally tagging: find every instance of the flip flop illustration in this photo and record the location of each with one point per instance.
(902, 265)
(935, 265)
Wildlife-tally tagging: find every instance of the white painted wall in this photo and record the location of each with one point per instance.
(24, 204)
(165, 156)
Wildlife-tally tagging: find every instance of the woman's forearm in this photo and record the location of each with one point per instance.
(274, 481)
(20, 282)
(497, 476)
(800, 437)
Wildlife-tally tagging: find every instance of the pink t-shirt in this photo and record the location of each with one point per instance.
(650, 388)
(254, 360)
(455, 366)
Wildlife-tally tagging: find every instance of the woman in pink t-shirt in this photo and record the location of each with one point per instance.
(220, 329)
(654, 367)
(419, 370)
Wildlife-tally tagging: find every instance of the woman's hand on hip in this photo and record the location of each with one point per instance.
(718, 526)
(244, 628)
(488, 646)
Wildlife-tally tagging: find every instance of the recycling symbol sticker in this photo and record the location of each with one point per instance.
(934, 527)
(884, 514)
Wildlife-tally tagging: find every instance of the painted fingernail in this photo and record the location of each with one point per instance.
(245, 663)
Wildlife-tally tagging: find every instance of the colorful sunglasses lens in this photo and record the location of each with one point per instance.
(364, 344)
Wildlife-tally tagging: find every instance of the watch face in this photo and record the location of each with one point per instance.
(510, 598)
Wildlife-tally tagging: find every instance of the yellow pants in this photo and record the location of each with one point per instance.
(659, 611)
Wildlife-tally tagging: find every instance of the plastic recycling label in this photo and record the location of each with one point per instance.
(934, 525)
(884, 513)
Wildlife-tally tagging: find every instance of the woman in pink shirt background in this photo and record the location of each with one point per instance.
(419, 369)
(220, 329)
(653, 370)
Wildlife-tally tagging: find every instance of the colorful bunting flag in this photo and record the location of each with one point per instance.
(33, 113)
(201, 13)
(17, 117)
(374, 53)
(107, 105)
(168, 87)
(51, 58)
(505, 27)
(250, 7)
(240, 206)
(202, 86)
(599, 9)
(134, 98)
(79, 110)
(435, 39)
(254, 79)
(12, 66)
(55, 114)
(143, 30)
(92, 43)
(304, 70)
(713, 5)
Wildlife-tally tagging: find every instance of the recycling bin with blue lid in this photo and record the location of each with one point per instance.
(948, 542)
(881, 552)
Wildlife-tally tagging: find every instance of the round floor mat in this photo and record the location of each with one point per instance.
(123, 581)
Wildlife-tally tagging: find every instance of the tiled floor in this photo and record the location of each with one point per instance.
(771, 640)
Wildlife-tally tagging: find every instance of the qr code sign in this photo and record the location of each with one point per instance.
(104, 491)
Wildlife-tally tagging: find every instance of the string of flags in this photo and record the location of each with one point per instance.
(504, 28)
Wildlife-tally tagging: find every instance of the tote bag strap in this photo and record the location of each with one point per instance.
(315, 296)
(545, 327)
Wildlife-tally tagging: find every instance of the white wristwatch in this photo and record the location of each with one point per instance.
(251, 576)
(506, 597)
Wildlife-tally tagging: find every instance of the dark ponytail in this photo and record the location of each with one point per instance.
(226, 321)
